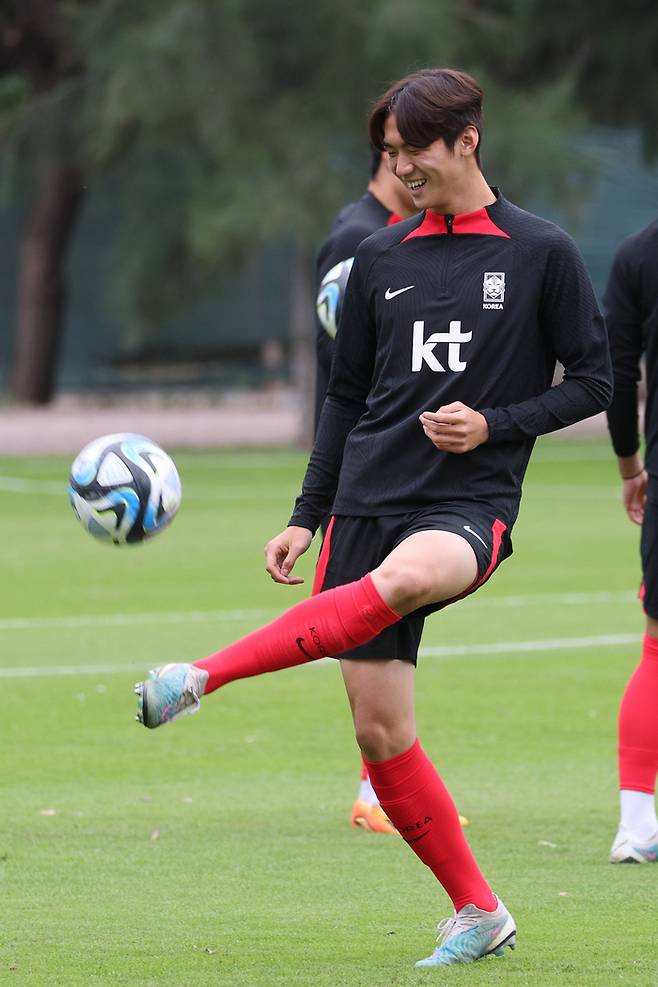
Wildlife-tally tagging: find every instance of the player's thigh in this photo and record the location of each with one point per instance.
(425, 568)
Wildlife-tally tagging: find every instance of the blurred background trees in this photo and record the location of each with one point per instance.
(39, 100)
(217, 127)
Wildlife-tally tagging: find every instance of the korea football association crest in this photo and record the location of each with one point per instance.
(493, 290)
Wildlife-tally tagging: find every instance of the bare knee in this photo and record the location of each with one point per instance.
(426, 567)
(407, 584)
(380, 740)
(381, 694)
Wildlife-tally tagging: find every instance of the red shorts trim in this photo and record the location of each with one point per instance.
(498, 529)
(323, 561)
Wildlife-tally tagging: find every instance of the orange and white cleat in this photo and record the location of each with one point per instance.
(372, 818)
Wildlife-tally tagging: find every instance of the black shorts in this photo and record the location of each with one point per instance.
(353, 546)
(649, 551)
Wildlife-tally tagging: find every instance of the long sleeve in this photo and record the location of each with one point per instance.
(625, 328)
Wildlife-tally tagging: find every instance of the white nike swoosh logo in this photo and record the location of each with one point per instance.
(470, 531)
(388, 294)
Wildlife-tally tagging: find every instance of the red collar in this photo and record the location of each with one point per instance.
(468, 222)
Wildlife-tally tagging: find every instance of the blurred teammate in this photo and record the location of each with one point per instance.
(631, 300)
(451, 327)
(385, 202)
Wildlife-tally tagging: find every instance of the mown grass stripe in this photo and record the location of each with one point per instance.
(228, 616)
(449, 651)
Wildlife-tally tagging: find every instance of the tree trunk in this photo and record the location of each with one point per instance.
(302, 334)
(41, 292)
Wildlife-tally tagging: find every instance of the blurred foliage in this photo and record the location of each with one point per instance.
(229, 123)
(609, 51)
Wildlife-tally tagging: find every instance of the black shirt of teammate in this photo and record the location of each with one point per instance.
(352, 225)
(631, 301)
(474, 308)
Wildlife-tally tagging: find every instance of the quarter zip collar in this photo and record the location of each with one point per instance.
(479, 222)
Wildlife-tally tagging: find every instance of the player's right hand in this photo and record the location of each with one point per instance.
(282, 552)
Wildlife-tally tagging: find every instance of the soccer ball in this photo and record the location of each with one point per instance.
(329, 302)
(124, 488)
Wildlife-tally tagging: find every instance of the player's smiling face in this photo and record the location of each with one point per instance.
(432, 173)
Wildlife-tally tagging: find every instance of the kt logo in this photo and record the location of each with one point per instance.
(423, 349)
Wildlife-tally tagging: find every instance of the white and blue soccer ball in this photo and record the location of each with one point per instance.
(329, 301)
(124, 488)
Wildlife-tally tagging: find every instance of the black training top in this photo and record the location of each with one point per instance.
(474, 308)
(353, 224)
(631, 301)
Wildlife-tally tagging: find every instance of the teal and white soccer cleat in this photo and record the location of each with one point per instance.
(472, 933)
(627, 849)
(170, 691)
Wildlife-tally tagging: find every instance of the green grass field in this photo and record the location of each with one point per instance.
(217, 850)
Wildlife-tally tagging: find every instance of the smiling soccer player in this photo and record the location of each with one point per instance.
(442, 378)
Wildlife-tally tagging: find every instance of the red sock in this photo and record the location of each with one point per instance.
(638, 724)
(417, 802)
(324, 625)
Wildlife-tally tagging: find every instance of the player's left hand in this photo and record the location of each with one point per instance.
(455, 427)
(634, 493)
